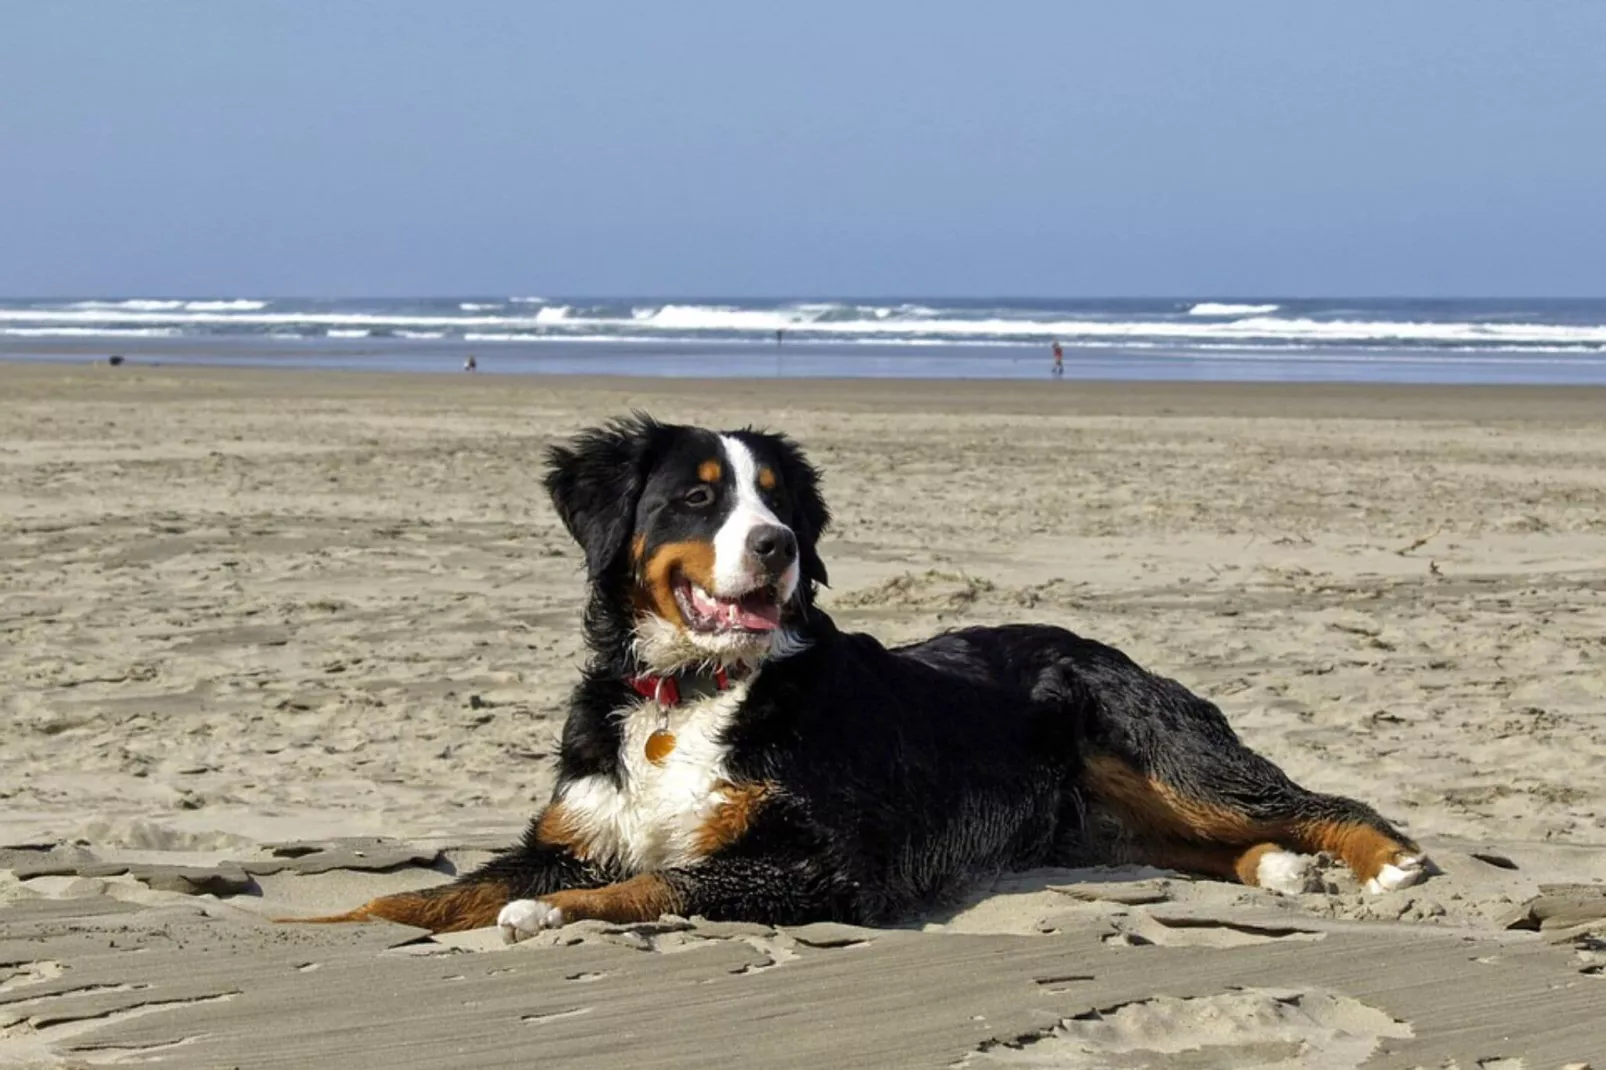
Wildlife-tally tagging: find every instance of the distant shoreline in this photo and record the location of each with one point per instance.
(1478, 403)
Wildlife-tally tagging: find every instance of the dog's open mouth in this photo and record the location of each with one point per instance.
(758, 610)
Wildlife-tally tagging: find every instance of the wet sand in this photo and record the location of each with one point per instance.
(246, 609)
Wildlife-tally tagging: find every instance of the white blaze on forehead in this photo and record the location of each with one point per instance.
(735, 572)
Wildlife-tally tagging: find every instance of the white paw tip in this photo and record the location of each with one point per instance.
(1400, 873)
(1285, 872)
(523, 918)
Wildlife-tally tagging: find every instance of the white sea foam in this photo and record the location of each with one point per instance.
(147, 304)
(528, 300)
(421, 334)
(1251, 328)
(525, 336)
(720, 318)
(348, 332)
(471, 306)
(1218, 308)
(135, 304)
(251, 319)
(92, 332)
(236, 305)
(813, 313)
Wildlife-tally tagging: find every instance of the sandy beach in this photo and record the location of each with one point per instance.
(273, 643)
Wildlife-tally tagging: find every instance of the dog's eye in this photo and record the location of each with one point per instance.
(700, 496)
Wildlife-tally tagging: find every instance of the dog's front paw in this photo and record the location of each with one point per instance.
(1404, 871)
(523, 918)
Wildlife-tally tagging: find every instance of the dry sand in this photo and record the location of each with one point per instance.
(244, 610)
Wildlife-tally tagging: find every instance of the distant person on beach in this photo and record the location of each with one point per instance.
(778, 333)
(1059, 360)
(471, 365)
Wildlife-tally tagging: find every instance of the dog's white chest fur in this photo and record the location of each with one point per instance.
(654, 819)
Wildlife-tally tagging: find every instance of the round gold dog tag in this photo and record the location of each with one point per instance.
(659, 744)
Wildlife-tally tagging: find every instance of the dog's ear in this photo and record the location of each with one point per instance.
(595, 480)
(810, 515)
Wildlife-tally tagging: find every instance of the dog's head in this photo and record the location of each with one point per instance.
(702, 543)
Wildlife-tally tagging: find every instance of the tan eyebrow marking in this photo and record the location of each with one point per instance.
(710, 471)
(766, 477)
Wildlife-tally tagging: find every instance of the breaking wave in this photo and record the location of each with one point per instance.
(142, 304)
(1217, 308)
(91, 332)
(1126, 324)
(237, 305)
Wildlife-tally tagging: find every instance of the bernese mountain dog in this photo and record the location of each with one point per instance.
(730, 753)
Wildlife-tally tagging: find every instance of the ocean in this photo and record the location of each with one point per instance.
(1555, 341)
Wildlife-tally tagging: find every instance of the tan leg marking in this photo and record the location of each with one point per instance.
(558, 827)
(1223, 861)
(455, 907)
(647, 897)
(734, 817)
(1157, 809)
(1362, 848)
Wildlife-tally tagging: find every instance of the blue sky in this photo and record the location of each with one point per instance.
(1050, 148)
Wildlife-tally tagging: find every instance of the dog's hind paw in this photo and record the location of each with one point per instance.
(1403, 872)
(1286, 873)
(523, 918)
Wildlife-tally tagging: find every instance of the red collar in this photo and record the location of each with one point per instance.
(666, 690)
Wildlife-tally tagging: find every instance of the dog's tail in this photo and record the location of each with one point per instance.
(448, 909)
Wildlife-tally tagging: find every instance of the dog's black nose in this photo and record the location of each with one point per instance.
(775, 547)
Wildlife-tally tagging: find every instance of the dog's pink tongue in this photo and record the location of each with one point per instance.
(754, 614)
